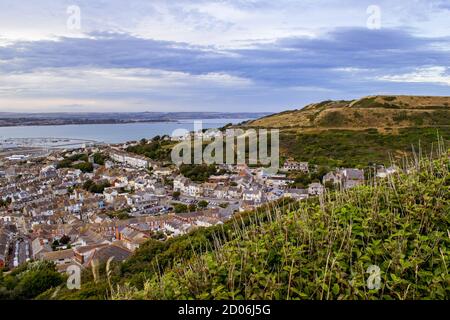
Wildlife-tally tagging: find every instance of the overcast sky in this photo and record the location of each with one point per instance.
(217, 55)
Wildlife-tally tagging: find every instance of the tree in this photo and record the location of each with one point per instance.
(55, 244)
(84, 167)
(199, 173)
(64, 240)
(180, 208)
(99, 159)
(29, 280)
(203, 204)
(192, 207)
(88, 184)
(93, 187)
(176, 194)
(35, 282)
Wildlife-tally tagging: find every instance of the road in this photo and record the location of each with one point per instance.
(21, 252)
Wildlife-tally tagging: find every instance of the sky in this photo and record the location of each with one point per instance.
(217, 55)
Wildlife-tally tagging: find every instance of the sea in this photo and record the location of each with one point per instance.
(110, 133)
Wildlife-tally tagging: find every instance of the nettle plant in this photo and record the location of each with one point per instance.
(324, 248)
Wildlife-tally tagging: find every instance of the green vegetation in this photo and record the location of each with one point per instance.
(202, 204)
(198, 173)
(180, 208)
(333, 119)
(315, 249)
(5, 202)
(302, 180)
(176, 194)
(121, 214)
(99, 158)
(371, 102)
(322, 250)
(78, 161)
(318, 249)
(84, 167)
(29, 280)
(93, 187)
(156, 149)
(155, 255)
(374, 111)
(336, 148)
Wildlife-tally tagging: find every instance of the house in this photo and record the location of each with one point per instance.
(4, 246)
(110, 194)
(352, 178)
(83, 253)
(131, 238)
(141, 200)
(331, 177)
(122, 182)
(194, 190)
(290, 165)
(297, 194)
(252, 194)
(221, 192)
(234, 192)
(188, 217)
(345, 178)
(48, 172)
(208, 188)
(274, 194)
(89, 237)
(100, 253)
(316, 189)
(180, 183)
(100, 218)
(247, 205)
(278, 181)
(103, 254)
(131, 160)
(177, 227)
(39, 247)
(207, 221)
(385, 172)
(162, 172)
(61, 258)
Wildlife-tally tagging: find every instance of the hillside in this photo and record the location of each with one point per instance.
(368, 112)
(362, 132)
(319, 249)
(324, 249)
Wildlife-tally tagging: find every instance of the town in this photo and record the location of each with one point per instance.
(75, 206)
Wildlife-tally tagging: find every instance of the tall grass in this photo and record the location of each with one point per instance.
(322, 248)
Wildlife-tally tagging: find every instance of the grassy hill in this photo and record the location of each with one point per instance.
(360, 132)
(368, 112)
(358, 148)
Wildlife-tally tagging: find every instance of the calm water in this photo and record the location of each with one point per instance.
(110, 133)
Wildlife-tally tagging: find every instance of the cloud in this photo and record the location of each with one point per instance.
(147, 73)
(434, 74)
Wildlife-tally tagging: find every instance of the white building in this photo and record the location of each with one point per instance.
(296, 166)
(134, 161)
(254, 195)
(316, 189)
